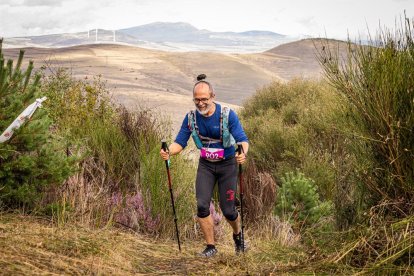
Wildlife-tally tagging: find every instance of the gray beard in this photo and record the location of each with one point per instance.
(205, 111)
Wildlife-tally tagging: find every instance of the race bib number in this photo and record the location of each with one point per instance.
(212, 154)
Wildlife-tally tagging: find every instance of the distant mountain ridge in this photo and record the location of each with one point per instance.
(183, 32)
(177, 36)
(161, 32)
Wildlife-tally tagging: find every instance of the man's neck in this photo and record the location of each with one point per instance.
(211, 111)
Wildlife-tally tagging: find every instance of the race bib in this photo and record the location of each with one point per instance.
(211, 153)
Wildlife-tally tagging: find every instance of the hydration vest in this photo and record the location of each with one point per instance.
(225, 136)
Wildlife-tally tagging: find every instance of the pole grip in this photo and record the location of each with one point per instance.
(164, 145)
(165, 148)
(239, 148)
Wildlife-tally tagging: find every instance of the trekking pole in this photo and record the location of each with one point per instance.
(164, 147)
(239, 150)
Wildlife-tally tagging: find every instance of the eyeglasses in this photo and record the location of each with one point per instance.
(203, 100)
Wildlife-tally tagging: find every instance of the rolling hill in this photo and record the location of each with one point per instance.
(164, 80)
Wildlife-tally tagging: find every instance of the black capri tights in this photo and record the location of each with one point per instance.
(225, 173)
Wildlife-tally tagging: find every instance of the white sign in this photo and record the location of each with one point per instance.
(21, 119)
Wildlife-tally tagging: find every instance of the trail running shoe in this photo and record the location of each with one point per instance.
(238, 244)
(210, 251)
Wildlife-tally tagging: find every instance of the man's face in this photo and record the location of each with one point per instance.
(202, 98)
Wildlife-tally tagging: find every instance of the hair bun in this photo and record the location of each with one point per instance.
(201, 77)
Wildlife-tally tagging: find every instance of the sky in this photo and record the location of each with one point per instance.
(315, 18)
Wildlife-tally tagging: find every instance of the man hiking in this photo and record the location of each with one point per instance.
(215, 129)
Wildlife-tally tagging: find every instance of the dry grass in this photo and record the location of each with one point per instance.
(260, 193)
(35, 246)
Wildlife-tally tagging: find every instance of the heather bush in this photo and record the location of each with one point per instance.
(145, 132)
(122, 178)
(131, 211)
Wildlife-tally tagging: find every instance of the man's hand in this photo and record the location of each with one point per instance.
(173, 149)
(164, 154)
(240, 158)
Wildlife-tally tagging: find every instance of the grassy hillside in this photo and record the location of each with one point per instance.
(34, 245)
(328, 184)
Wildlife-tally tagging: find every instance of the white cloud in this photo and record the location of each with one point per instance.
(293, 17)
(11, 3)
(33, 3)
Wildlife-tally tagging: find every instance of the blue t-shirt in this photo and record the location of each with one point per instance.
(210, 127)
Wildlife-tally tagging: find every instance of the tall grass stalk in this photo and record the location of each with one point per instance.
(378, 82)
(260, 193)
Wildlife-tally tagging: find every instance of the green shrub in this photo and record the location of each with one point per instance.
(305, 125)
(290, 125)
(298, 200)
(73, 104)
(34, 158)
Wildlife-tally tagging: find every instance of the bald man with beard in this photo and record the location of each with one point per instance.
(217, 163)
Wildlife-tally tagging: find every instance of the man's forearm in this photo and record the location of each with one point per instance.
(245, 146)
(175, 148)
